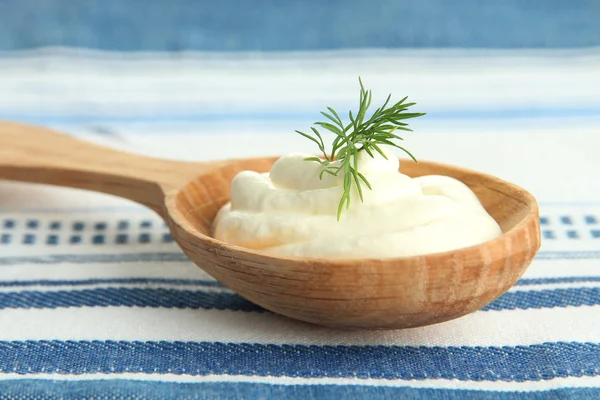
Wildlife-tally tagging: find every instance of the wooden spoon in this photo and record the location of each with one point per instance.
(354, 293)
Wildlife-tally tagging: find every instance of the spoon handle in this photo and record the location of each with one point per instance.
(39, 155)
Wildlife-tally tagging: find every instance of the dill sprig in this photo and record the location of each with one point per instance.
(360, 134)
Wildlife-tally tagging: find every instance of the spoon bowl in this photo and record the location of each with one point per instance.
(344, 293)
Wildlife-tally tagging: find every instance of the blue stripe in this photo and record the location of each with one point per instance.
(127, 297)
(568, 255)
(268, 25)
(520, 363)
(202, 282)
(432, 115)
(174, 298)
(120, 389)
(546, 281)
(524, 300)
(129, 281)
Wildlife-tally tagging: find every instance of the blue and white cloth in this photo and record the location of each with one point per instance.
(97, 300)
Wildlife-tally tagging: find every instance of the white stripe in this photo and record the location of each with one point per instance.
(126, 96)
(199, 287)
(41, 249)
(562, 269)
(483, 150)
(489, 328)
(202, 82)
(75, 59)
(529, 386)
(79, 288)
(554, 286)
(26, 195)
(69, 271)
(212, 289)
(476, 150)
(187, 270)
(162, 271)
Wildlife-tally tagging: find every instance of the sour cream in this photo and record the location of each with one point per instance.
(291, 212)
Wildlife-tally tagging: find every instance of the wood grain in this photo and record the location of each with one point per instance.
(355, 294)
(38, 155)
(365, 293)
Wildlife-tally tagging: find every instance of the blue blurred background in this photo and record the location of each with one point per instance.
(272, 25)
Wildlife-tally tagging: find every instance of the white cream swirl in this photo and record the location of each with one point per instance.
(290, 211)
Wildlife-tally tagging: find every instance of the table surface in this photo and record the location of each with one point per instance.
(95, 298)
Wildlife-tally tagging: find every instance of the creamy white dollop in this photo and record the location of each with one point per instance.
(290, 211)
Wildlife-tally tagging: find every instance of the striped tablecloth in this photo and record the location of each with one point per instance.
(96, 299)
